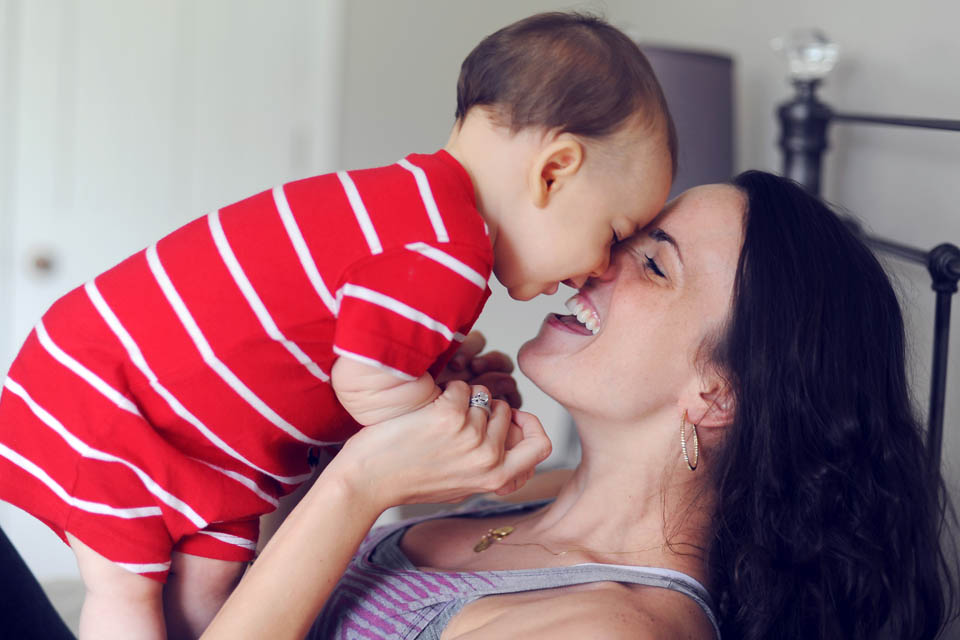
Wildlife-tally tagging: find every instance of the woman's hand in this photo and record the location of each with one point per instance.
(443, 452)
(440, 453)
(492, 369)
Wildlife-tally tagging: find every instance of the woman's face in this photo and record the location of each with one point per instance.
(667, 289)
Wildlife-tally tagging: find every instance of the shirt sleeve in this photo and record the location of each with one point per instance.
(407, 309)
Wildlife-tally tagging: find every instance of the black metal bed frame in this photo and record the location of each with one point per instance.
(804, 121)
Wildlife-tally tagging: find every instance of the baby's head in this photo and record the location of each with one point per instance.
(566, 134)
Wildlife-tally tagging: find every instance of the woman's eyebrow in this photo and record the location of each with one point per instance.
(662, 236)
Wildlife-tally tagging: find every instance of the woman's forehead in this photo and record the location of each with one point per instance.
(707, 220)
(719, 203)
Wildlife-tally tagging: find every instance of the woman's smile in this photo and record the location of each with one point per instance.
(583, 320)
(585, 313)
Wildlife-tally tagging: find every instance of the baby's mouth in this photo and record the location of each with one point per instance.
(583, 313)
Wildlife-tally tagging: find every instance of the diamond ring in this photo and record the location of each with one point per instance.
(481, 400)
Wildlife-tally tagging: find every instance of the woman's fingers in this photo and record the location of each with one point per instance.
(520, 461)
(455, 395)
(514, 436)
(502, 385)
(498, 426)
(444, 451)
(503, 430)
(480, 399)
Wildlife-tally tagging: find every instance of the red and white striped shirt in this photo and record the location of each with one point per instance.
(221, 336)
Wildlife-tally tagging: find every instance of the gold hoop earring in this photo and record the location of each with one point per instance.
(683, 443)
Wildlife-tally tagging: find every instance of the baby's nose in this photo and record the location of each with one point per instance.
(597, 272)
(602, 267)
(609, 272)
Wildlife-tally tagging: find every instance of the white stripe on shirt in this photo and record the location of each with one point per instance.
(155, 567)
(244, 480)
(87, 451)
(88, 376)
(231, 539)
(303, 252)
(360, 213)
(256, 304)
(83, 505)
(399, 308)
(136, 357)
(350, 355)
(449, 262)
(426, 195)
(206, 352)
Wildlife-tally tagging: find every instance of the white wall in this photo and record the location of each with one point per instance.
(120, 121)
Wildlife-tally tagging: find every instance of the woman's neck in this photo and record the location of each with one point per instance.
(629, 493)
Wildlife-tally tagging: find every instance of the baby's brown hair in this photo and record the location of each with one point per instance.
(567, 71)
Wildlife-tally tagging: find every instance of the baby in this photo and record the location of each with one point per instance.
(169, 402)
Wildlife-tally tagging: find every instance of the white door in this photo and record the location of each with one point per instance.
(124, 119)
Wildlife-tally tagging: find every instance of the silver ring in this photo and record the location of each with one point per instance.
(481, 400)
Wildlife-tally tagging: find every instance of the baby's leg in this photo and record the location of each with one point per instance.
(118, 603)
(196, 589)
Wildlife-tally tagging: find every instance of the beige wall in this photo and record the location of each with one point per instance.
(403, 58)
(122, 121)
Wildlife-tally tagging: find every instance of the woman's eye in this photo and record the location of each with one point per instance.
(652, 265)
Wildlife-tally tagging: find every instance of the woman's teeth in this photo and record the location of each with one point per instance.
(584, 315)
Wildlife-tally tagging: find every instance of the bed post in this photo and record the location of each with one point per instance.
(944, 265)
(804, 121)
(803, 135)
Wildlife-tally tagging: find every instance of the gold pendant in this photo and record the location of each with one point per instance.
(483, 545)
(491, 536)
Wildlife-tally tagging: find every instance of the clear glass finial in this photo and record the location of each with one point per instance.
(810, 54)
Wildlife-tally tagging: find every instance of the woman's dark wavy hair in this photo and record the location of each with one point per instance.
(829, 522)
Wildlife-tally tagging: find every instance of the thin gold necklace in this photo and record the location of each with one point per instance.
(497, 535)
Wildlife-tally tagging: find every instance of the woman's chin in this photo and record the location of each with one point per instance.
(545, 358)
(539, 370)
(537, 346)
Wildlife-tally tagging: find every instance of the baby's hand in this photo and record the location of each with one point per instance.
(443, 452)
(492, 369)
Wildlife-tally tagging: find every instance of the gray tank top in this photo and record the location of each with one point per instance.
(383, 595)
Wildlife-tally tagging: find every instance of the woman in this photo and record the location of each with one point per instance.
(751, 464)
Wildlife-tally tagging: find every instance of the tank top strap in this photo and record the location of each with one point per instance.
(516, 581)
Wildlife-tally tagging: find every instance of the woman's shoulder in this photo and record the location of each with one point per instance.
(605, 610)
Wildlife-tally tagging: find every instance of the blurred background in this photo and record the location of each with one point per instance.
(121, 120)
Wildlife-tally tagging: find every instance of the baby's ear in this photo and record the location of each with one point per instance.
(559, 159)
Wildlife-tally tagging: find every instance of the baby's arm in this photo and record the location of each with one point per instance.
(399, 313)
(372, 395)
